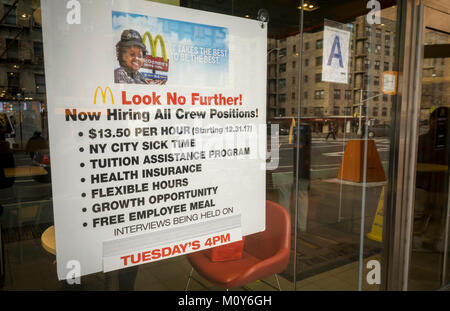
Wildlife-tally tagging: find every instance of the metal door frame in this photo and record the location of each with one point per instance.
(413, 16)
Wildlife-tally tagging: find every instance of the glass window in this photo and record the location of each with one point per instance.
(366, 63)
(332, 225)
(365, 94)
(318, 111)
(319, 94)
(319, 61)
(429, 260)
(337, 94)
(11, 18)
(376, 80)
(13, 80)
(378, 33)
(375, 96)
(375, 111)
(318, 77)
(40, 83)
(38, 50)
(377, 48)
(319, 44)
(348, 94)
(12, 52)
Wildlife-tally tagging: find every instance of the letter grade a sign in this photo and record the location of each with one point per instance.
(335, 55)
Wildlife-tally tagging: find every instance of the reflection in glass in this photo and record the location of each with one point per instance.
(430, 236)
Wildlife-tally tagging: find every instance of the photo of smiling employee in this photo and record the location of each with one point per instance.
(130, 53)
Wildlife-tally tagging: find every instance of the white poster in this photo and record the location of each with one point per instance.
(335, 55)
(157, 130)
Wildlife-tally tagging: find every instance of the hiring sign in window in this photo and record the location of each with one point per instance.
(157, 130)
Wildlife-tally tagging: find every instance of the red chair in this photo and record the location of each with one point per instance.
(265, 253)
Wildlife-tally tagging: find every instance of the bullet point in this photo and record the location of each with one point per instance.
(84, 209)
(82, 164)
(80, 134)
(83, 194)
(84, 224)
(81, 149)
(83, 180)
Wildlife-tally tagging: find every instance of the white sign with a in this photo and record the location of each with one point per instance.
(335, 55)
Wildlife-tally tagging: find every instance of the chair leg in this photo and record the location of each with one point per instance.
(278, 282)
(189, 279)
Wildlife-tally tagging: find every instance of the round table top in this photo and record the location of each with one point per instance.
(48, 240)
(24, 171)
(431, 167)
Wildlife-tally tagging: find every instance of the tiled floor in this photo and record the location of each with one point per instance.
(37, 271)
(344, 278)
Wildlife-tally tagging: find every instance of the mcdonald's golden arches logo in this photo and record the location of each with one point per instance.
(154, 44)
(99, 88)
(152, 61)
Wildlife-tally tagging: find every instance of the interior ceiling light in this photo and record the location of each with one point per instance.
(24, 16)
(309, 6)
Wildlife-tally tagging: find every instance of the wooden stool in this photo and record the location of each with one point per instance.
(48, 240)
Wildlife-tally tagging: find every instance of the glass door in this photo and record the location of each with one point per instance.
(429, 268)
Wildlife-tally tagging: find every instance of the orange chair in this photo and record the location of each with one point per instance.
(265, 253)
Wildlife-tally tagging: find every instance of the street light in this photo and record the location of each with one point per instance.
(361, 101)
(271, 50)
